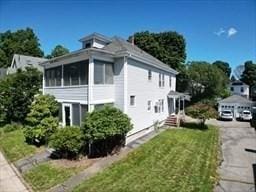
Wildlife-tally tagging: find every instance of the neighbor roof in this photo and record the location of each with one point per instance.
(237, 82)
(235, 99)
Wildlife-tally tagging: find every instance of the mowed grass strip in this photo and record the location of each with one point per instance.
(179, 160)
(14, 146)
(47, 175)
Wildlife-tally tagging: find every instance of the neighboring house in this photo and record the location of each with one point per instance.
(239, 88)
(2, 72)
(23, 61)
(253, 93)
(115, 72)
(236, 104)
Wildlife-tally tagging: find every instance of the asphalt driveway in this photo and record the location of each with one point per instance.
(238, 169)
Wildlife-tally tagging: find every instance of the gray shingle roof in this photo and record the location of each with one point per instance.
(235, 99)
(120, 45)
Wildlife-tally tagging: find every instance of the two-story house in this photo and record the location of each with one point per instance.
(239, 88)
(115, 72)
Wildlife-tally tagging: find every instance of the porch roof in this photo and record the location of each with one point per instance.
(178, 95)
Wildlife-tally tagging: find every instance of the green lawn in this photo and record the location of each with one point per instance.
(179, 160)
(46, 175)
(14, 146)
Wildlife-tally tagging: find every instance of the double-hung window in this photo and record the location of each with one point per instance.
(149, 75)
(170, 81)
(132, 100)
(149, 105)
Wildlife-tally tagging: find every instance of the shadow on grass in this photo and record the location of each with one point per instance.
(193, 125)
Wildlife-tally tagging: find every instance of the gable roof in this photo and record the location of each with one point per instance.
(23, 61)
(119, 45)
(235, 99)
(237, 83)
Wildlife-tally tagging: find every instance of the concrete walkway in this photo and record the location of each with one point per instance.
(238, 169)
(9, 181)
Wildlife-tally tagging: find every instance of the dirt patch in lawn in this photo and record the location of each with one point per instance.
(79, 164)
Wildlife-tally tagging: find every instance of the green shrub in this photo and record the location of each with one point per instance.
(108, 123)
(68, 141)
(201, 111)
(42, 120)
(11, 127)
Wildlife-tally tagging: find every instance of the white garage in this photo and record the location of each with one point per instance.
(236, 104)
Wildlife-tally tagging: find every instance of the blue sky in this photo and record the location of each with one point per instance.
(214, 30)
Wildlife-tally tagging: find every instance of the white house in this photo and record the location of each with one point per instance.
(23, 61)
(115, 72)
(239, 88)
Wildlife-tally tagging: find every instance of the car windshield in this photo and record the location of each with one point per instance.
(247, 112)
(227, 112)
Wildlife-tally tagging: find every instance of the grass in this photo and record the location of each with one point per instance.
(179, 160)
(14, 146)
(46, 175)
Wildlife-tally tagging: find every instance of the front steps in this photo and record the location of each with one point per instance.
(171, 121)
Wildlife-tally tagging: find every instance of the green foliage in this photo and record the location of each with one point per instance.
(201, 111)
(206, 81)
(23, 41)
(14, 146)
(59, 50)
(11, 127)
(224, 66)
(47, 175)
(17, 92)
(68, 141)
(41, 121)
(106, 122)
(169, 47)
(249, 74)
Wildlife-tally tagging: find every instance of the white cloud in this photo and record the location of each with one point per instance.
(231, 31)
(220, 32)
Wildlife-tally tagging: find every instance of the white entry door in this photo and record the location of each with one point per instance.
(67, 114)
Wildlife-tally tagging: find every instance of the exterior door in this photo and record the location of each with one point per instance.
(67, 114)
(171, 105)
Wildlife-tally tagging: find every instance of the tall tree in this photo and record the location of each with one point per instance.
(169, 47)
(206, 81)
(224, 66)
(58, 50)
(249, 74)
(23, 41)
(17, 92)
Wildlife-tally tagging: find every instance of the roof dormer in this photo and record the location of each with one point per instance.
(94, 40)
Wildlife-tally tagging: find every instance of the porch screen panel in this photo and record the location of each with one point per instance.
(76, 114)
(84, 73)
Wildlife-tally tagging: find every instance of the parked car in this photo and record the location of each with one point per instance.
(226, 115)
(245, 115)
(253, 120)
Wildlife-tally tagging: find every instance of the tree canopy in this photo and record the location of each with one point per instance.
(17, 92)
(169, 47)
(249, 74)
(23, 41)
(58, 50)
(224, 66)
(206, 81)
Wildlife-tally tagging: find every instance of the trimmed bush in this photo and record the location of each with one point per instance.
(106, 128)
(42, 120)
(202, 112)
(67, 141)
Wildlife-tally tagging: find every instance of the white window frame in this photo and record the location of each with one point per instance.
(134, 102)
(170, 81)
(149, 105)
(64, 114)
(149, 75)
